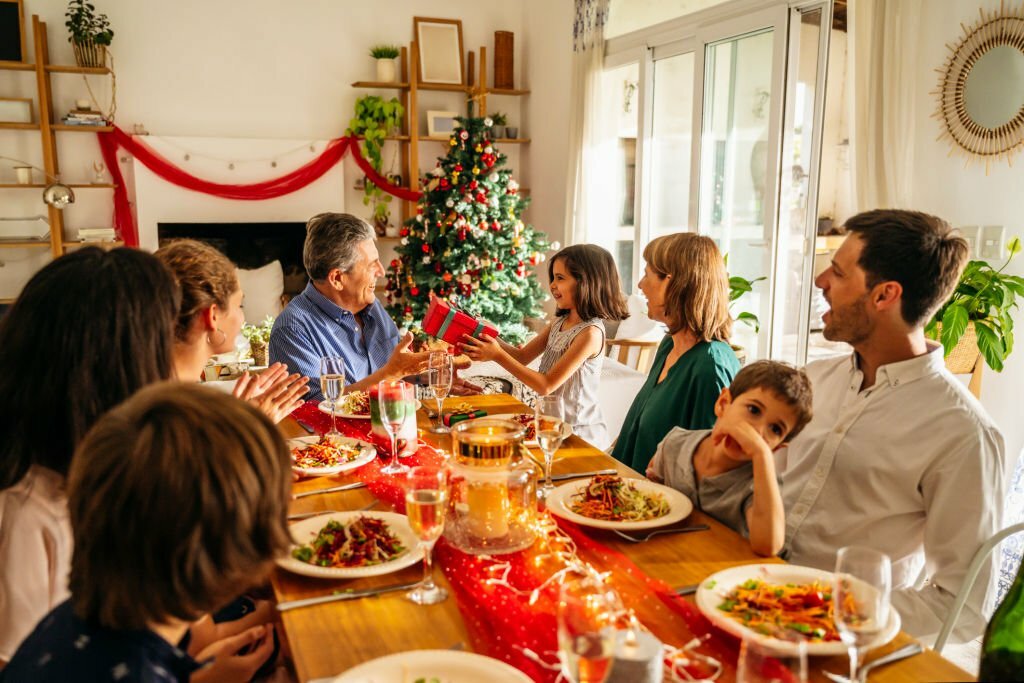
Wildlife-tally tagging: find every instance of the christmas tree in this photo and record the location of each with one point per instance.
(467, 243)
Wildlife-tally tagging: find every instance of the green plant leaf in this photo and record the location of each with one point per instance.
(1013, 247)
(749, 319)
(954, 324)
(990, 346)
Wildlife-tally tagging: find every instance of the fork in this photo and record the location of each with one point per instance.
(652, 534)
(894, 656)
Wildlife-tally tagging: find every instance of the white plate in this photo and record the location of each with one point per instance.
(511, 416)
(679, 506)
(369, 452)
(305, 531)
(325, 408)
(449, 666)
(713, 590)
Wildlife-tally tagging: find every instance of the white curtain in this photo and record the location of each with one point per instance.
(585, 116)
(884, 76)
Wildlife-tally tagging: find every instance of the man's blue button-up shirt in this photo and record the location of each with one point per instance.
(312, 326)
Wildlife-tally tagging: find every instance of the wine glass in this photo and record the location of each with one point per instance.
(549, 422)
(860, 599)
(586, 629)
(426, 498)
(332, 384)
(397, 400)
(762, 662)
(99, 167)
(440, 377)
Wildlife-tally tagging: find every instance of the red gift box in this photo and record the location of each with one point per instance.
(444, 321)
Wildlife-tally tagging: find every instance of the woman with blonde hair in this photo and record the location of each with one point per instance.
(210, 319)
(687, 288)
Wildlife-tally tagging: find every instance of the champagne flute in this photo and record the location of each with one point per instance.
(860, 599)
(764, 662)
(549, 422)
(397, 400)
(332, 384)
(440, 377)
(586, 629)
(426, 497)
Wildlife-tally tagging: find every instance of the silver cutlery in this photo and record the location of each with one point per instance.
(344, 595)
(687, 590)
(333, 489)
(579, 475)
(306, 427)
(307, 515)
(656, 532)
(894, 656)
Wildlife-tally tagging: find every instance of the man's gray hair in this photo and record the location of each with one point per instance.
(331, 240)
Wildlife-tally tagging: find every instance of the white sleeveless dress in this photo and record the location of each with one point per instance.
(579, 392)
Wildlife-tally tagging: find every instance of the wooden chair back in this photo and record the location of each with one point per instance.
(644, 357)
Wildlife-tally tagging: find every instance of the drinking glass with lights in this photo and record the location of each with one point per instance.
(332, 384)
(440, 375)
(549, 422)
(397, 400)
(586, 614)
(860, 592)
(426, 499)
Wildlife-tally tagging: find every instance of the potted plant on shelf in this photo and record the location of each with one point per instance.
(258, 337)
(498, 121)
(375, 118)
(738, 286)
(89, 33)
(978, 317)
(385, 56)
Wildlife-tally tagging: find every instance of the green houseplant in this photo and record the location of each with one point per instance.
(89, 33)
(498, 121)
(374, 119)
(258, 337)
(980, 308)
(385, 56)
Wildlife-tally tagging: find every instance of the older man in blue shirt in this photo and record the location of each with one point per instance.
(338, 313)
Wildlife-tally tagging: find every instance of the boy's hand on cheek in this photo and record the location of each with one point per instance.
(740, 439)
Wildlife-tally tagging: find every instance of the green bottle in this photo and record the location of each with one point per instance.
(1002, 653)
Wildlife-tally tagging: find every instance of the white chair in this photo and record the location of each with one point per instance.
(972, 575)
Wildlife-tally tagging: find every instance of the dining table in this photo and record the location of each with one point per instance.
(327, 639)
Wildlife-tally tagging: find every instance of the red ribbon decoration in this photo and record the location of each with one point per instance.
(266, 189)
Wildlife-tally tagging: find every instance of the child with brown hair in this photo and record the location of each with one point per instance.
(728, 471)
(178, 498)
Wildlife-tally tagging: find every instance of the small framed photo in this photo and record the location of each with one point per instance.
(441, 123)
(439, 43)
(12, 32)
(16, 110)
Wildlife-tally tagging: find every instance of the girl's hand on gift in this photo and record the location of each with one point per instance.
(484, 348)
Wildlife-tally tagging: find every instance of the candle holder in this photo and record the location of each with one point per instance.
(493, 501)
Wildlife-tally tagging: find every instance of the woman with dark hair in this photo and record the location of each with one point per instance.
(87, 331)
(687, 288)
(209, 320)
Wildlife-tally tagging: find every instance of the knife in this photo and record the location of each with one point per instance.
(306, 427)
(344, 595)
(333, 489)
(578, 475)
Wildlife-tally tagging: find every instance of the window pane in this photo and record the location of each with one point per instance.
(630, 15)
(671, 144)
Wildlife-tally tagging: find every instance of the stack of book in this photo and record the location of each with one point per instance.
(97, 234)
(84, 117)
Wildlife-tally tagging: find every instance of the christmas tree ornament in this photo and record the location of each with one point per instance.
(404, 232)
(426, 247)
(415, 291)
(426, 260)
(463, 135)
(437, 267)
(447, 277)
(450, 203)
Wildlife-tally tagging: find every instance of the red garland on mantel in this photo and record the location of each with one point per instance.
(265, 189)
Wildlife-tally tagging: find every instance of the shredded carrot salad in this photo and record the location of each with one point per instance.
(356, 403)
(325, 453)
(781, 610)
(609, 497)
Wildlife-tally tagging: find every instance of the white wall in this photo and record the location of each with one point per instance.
(966, 195)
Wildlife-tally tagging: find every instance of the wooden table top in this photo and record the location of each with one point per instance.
(327, 639)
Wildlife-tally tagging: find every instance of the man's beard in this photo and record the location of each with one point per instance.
(849, 324)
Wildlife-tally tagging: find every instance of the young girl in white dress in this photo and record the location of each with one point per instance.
(587, 291)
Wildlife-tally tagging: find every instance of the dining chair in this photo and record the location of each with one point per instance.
(642, 360)
(973, 570)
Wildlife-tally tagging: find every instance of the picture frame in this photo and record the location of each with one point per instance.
(441, 123)
(16, 110)
(13, 47)
(441, 59)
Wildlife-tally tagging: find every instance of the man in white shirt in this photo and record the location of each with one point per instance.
(899, 457)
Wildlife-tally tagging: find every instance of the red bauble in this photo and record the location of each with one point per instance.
(457, 168)
(500, 266)
(394, 264)
(496, 226)
(426, 248)
(437, 267)
(444, 183)
(520, 266)
(473, 185)
(447, 277)
(481, 197)
(414, 291)
(408, 309)
(463, 233)
(404, 232)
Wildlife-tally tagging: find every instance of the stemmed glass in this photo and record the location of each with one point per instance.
(426, 497)
(397, 400)
(440, 377)
(99, 167)
(586, 629)
(860, 597)
(549, 422)
(332, 384)
(761, 662)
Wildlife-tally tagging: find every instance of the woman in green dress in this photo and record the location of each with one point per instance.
(687, 288)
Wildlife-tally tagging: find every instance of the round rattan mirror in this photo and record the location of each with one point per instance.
(981, 91)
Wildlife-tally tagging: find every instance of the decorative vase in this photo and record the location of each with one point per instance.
(89, 54)
(497, 131)
(259, 354)
(391, 231)
(511, 132)
(964, 356)
(386, 71)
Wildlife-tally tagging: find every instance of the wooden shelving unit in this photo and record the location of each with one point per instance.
(48, 128)
(409, 138)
